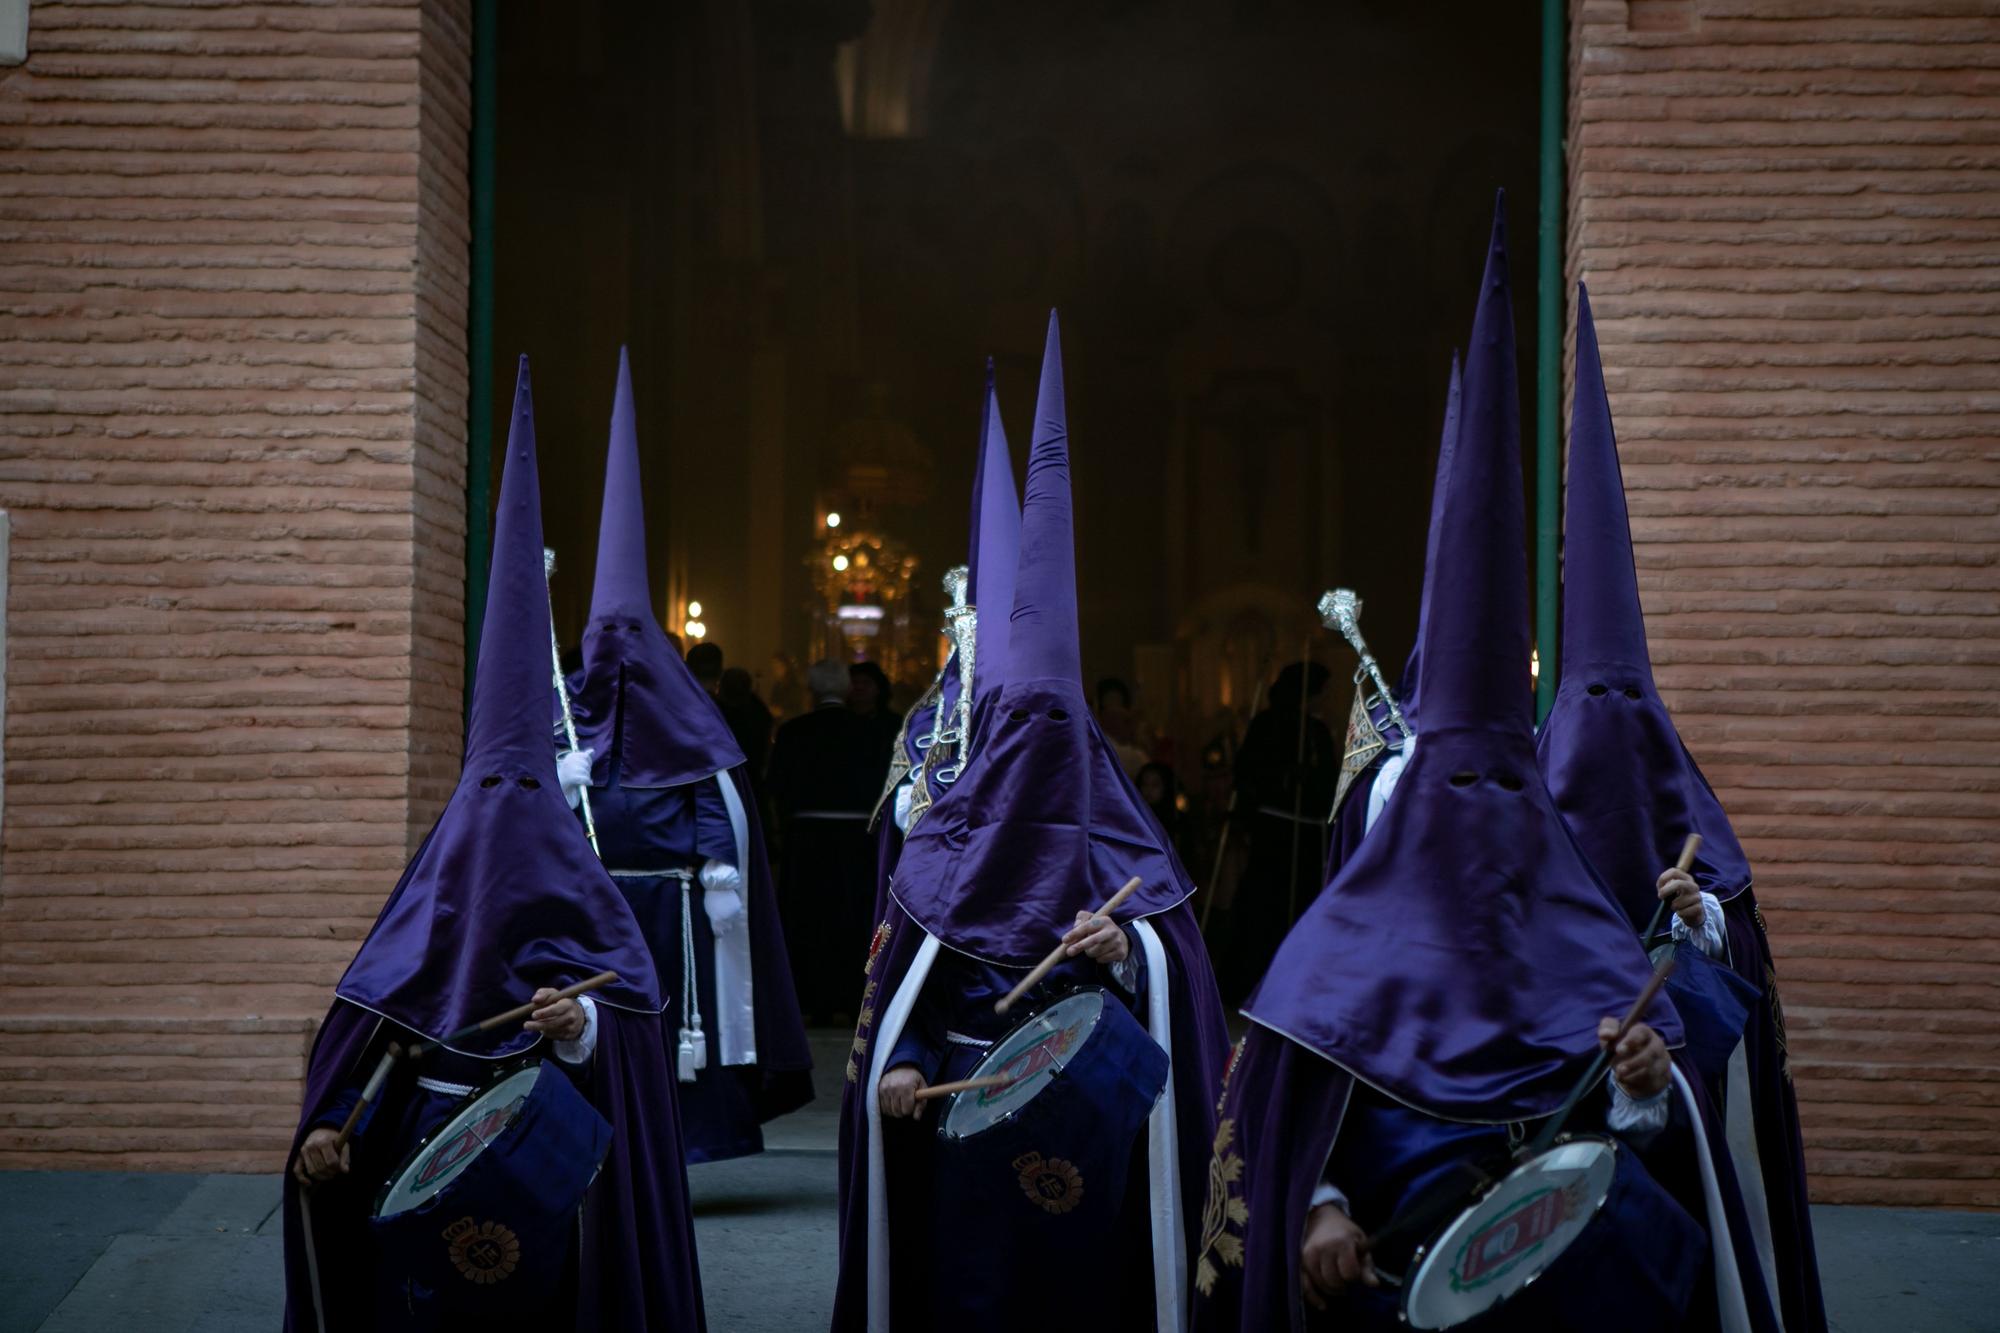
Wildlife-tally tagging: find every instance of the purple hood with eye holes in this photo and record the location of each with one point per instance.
(505, 895)
(1461, 958)
(1614, 760)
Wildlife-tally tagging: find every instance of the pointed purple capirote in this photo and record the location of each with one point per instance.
(1462, 957)
(636, 699)
(1612, 756)
(1410, 688)
(996, 550)
(1043, 823)
(505, 895)
(1042, 638)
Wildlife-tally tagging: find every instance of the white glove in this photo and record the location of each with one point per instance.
(905, 792)
(573, 770)
(722, 896)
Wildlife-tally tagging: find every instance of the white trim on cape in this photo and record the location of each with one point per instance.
(735, 1014)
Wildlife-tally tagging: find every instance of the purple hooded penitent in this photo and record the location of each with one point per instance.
(1613, 760)
(1631, 793)
(505, 895)
(1044, 823)
(1463, 956)
(636, 694)
(1041, 824)
(669, 789)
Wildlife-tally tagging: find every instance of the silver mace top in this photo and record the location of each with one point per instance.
(1341, 609)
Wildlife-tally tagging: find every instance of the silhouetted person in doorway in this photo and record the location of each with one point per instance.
(827, 768)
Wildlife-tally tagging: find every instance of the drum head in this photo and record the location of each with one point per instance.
(443, 1157)
(1511, 1236)
(1031, 1055)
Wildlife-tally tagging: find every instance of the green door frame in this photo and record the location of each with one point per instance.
(479, 340)
(1548, 359)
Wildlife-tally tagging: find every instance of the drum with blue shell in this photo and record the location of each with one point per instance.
(478, 1227)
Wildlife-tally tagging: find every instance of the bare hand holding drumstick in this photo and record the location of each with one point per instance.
(1333, 1256)
(1099, 937)
(897, 1094)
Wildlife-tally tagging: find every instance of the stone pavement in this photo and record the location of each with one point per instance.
(91, 1252)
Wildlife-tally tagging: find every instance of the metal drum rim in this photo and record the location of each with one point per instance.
(409, 1158)
(1486, 1192)
(1105, 1000)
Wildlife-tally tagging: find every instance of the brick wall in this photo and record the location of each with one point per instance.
(232, 390)
(1788, 212)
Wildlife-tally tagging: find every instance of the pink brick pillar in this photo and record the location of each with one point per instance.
(232, 430)
(1788, 212)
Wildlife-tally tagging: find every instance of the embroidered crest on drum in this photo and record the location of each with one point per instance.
(1503, 1244)
(483, 1252)
(1223, 1209)
(1050, 1183)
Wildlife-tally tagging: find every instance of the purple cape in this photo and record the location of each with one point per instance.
(1044, 823)
(1461, 960)
(1630, 791)
(1613, 758)
(505, 894)
(637, 695)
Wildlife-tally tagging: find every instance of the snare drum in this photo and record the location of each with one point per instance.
(1565, 1236)
(477, 1227)
(1035, 1171)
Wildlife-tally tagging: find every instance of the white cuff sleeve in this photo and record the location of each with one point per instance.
(1128, 970)
(1386, 778)
(1710, 938)
(721, 875)
(580, 1050)
(1634, 1117)
(904, 792)
(1328, 1192)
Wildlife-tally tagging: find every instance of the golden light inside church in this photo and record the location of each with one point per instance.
(833, 520)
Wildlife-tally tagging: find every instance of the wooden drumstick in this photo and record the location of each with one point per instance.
(964, 1085)
(1685, 864)
(1603, 1058)
(514, 1015)
(368, 1094)
(1042, 968)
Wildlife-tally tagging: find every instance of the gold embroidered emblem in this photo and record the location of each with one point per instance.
(1050, 1183)
(866, 1018)
(1223, 1209)
(484, 1252)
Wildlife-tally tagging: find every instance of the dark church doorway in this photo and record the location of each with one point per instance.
(1262, 222)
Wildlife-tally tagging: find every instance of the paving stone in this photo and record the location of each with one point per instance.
(179, 1284)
